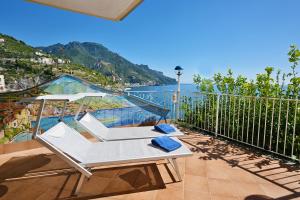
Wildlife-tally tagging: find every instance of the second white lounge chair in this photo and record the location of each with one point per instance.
(102, 133)
(83, 154)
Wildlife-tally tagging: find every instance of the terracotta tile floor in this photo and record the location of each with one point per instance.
(217, 170)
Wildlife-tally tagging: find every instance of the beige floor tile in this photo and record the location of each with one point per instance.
(170, 193)
(196, 167)
(217, 170)
(241, 175)
(194, 195)
(244, 189)
(220, 187)
(148, 195)
(274, 191)
(196, 183)
(220, 197)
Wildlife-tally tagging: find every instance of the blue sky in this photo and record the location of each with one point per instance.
(203, 36)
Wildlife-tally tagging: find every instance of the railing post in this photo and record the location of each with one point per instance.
(217, 115)
(174, 101)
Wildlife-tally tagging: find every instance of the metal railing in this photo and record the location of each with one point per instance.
(271, 124)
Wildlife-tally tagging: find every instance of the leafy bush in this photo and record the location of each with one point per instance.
(264, 85)
(263, 112)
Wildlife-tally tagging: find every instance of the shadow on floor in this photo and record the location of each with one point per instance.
(258, 197)
(20, 178)
(278, 172)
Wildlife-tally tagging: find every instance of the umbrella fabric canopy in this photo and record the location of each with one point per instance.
(109, 9)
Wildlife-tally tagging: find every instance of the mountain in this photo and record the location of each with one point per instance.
(24, 66)
(97, 57)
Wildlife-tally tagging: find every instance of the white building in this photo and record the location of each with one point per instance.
(39, 53)
(2, 40)
(47, 61)
(2, 83)
(34, 60)
(60, 61)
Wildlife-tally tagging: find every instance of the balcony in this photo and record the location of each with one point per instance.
(230, 160)
(218, 170)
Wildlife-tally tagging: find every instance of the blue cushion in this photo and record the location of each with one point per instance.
(166, 143)
(164, 128)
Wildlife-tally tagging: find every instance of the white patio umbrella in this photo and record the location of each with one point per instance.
(115, 10)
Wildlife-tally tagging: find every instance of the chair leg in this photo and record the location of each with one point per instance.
(170, 162)
(80, 182)
(158, 121)
(176, 168)
(166, 120)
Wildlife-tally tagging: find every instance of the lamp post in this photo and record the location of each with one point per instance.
(178, 71)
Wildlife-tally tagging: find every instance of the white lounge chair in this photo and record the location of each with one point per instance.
(101, 132)
(83, 154)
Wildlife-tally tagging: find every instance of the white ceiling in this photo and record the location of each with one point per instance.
(109, 9)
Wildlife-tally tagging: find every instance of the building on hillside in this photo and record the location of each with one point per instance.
(45, 60)
(60, 61)
(39, 53)
(113, 78)
(2, 40)
(8, 60)
(33, 60)
(2, 84)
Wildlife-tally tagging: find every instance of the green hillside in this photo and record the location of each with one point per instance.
(98, 57)
(13, 48)
(24, 66)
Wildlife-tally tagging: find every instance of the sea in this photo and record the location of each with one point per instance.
(185, 89)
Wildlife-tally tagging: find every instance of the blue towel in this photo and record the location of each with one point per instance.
(164, 128)
(165, 143)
